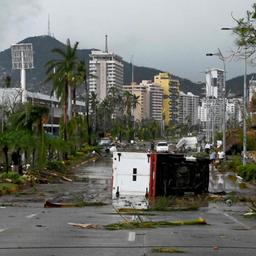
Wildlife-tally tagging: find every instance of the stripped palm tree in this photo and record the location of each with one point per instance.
(62, 72)
(93, 106)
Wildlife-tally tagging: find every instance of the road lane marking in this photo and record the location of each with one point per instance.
(235, 220)
(31, 215)
(131, 236)
(3, 229)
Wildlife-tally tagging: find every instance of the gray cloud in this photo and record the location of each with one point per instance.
(172, 35)
(14, 15)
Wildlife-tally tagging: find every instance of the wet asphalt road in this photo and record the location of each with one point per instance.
(26, 228)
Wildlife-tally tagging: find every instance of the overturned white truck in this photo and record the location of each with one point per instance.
(139, 176)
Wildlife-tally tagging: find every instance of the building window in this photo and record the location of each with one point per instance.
(134, 176)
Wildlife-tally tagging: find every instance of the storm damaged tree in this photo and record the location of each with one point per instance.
(62, 72)
(245, 31)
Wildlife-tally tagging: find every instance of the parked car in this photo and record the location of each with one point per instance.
(162, 146)
(105, 142)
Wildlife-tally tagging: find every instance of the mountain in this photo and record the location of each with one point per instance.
(235, 85)
(42, 47)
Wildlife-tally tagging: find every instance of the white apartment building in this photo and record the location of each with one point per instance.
(106, 70)
(188, 108)
(210, 114)
(233, 112)
(211, 109)
(214, 78)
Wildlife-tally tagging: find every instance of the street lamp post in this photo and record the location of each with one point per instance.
(244, 110)
(223, 59)
(244, 102)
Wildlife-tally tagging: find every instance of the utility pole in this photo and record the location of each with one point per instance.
(223, 59)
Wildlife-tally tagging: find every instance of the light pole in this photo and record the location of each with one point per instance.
(244, 109)
(223, 59)
(244, 101)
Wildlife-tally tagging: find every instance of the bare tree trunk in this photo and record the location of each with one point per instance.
(69, 107)
(5, 149)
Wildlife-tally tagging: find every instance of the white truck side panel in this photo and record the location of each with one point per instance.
(131, 176)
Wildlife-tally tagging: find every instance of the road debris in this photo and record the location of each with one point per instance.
(154, 224)
(167, 250)
(49, 204)
(141, 224)
(88, 226)
(252, 211)
(66, 179)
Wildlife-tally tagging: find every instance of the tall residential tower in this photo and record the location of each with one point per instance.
(106, 70)
(170, 98)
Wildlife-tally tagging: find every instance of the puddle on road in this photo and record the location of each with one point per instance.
(223, 182)
(100, 169)
(97, 177)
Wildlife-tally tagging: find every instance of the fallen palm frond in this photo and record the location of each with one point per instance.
(137, 225)
(84, 225)
(49, 204)
(154, 224)
(166, 250)
(140, 213)
(252, 210)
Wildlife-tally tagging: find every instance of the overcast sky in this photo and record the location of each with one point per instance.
(171, 35)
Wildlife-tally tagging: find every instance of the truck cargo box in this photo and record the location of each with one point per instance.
(175, 174)
(139, 176)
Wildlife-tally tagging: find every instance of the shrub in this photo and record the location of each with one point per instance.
(7, 188)
(160, 204)
(230, 164)
(56, 166)
(248, 171)
(13, 176)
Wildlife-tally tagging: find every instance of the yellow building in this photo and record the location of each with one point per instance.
(171, 96)
(142, 109)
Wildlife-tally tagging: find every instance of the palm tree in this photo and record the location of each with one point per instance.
(94, 106)
(130, 102)
(79, 79)
(82, 79)
(127, 101)
(62, 73)
(30, 119)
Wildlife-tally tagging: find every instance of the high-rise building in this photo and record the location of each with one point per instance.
(155, 95)
(142, 108)
(150, 100)
(213, 102)
(188, 108)
(106, 70)
(214, 78)
(174, 99)
(171, 96)
(233, 112)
